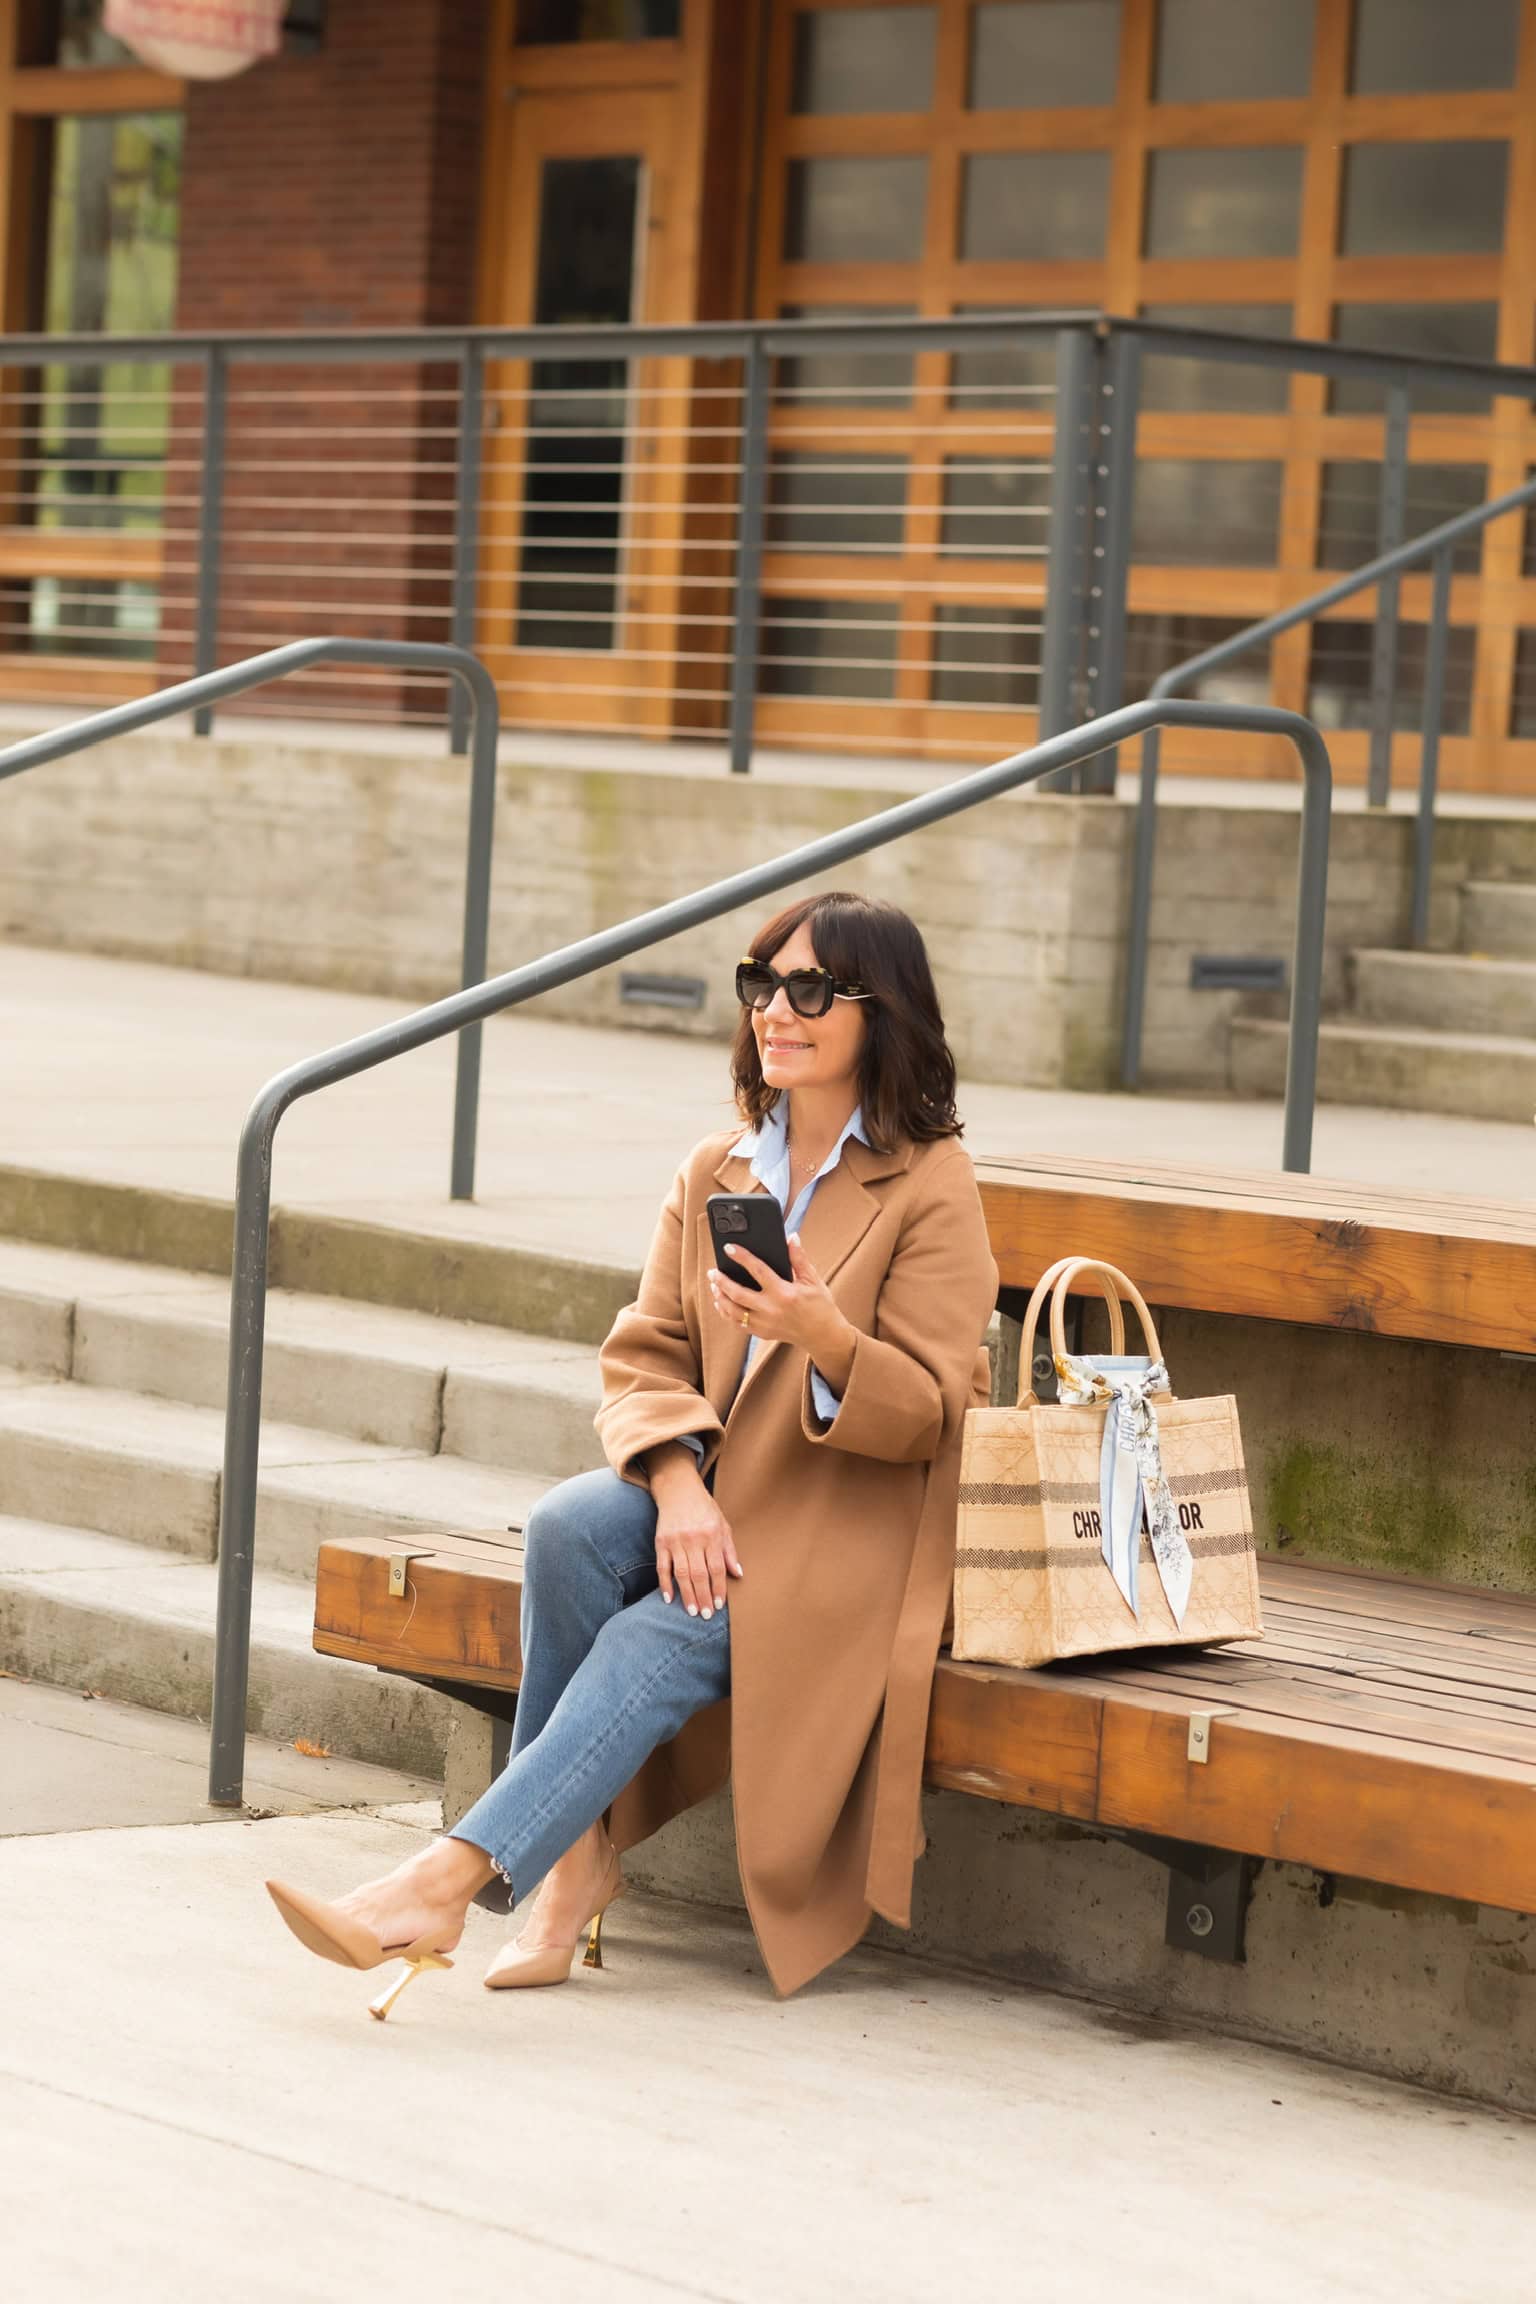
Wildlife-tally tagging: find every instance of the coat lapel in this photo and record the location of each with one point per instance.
(841, 1212)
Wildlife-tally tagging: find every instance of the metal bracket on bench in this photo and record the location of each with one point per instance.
(1208, 1892)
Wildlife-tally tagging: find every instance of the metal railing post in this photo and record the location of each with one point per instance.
(242, 1441)
(1391, 521)
(466, 528)
(1429, 744)
(749, 557)
(1109, 559)
(1061, 637)
(477, 930)
(210, 525)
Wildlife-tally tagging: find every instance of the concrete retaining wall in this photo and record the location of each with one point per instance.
(344, 866)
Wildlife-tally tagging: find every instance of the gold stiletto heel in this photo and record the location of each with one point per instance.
(593, 1956)
(335, 1935)
(382, 2005)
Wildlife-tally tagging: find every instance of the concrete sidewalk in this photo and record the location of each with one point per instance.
(190, 2104)
(133, 1074)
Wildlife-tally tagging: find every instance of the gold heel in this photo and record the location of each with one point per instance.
(382, 2005)
(593, 1956)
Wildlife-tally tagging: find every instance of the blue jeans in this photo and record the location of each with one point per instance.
(610, 1670)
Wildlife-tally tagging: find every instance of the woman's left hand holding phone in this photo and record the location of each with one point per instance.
(798, 1311)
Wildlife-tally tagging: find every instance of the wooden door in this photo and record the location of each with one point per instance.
(584, 497)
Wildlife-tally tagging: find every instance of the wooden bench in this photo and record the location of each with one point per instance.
(1384, 1728)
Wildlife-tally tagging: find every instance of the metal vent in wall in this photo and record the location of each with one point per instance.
(1235, 972)
(638, 990)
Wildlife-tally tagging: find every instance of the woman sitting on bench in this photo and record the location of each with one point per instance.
(792, 1448)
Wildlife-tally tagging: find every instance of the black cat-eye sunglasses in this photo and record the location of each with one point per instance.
(811, 991)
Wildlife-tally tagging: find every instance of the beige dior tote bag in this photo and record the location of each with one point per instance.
(1118, 1518)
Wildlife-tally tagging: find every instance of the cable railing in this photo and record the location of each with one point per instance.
(1437, 548)
(469, 678)
(467, 1009)
(855, 532)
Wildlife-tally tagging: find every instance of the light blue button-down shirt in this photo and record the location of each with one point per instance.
(767, 1147)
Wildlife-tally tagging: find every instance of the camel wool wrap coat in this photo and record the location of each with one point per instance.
(845, 1531)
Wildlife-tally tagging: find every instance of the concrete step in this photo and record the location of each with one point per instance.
(399, 1379)
(1499, 917)
(450, 1267)
(1479, 1076)
(1445, 992)
(148, 1471)
(83, 1610)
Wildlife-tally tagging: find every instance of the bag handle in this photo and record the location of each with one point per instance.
(1027, 1397)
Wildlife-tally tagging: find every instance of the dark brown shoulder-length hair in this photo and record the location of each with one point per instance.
(906, 1072)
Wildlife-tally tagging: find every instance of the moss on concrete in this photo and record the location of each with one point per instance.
(1362, 1508)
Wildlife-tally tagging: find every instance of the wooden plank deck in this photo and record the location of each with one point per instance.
(1383, 1728)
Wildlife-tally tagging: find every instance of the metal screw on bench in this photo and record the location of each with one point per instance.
(1199, 1919)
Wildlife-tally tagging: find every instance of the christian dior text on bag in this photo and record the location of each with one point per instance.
(1118, 1518)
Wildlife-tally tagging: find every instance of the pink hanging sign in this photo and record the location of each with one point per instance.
(198, 39)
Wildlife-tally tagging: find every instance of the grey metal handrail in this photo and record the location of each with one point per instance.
(208, 688)
(1436, 545)
(253, 1190)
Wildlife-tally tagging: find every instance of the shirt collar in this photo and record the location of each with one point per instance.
(767, 1146)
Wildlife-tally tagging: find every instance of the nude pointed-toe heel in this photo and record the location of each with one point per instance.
(551, 1963)
(335, 1935)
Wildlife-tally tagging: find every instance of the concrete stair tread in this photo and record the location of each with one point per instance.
(148, 1471)
(201, 1299)
(93, 1417)
(1503, 1045)
(83, 1610)
(1486, 963)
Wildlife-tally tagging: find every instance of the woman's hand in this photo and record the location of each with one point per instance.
(797, 1311)
(695, 1550)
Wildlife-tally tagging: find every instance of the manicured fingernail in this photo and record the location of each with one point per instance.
(668, 1598)
(691, 1609)
(707, 1614)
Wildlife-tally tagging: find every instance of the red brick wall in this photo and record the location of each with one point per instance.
(334, 191)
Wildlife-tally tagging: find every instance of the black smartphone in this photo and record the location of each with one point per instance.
(751, 1220)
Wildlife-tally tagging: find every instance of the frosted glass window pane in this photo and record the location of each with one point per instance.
(1161, 643)
(987, 656)
(1423, 199)
(1021, 376)
(1177, 381)
(1035, 207)
(1224, 202)
(851, 378)
(836, 503)
(864, 60)
(1350, 507)
(1436, 331)
(995, 507)
(1202, 513)
(1215, 51)
(1037, 53)
(828, 648)
(1407, 45)
(856, 211)
(1339, 677)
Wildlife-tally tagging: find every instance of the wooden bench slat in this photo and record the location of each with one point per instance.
(1380, 1766)
(1334, 1256)
(1406, 1206)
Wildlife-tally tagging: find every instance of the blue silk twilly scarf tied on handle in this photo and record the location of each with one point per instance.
(1131, 1471)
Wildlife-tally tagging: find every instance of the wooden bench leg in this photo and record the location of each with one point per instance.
(1208, 1892)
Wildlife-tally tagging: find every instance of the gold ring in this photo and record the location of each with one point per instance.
(746, 1319)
